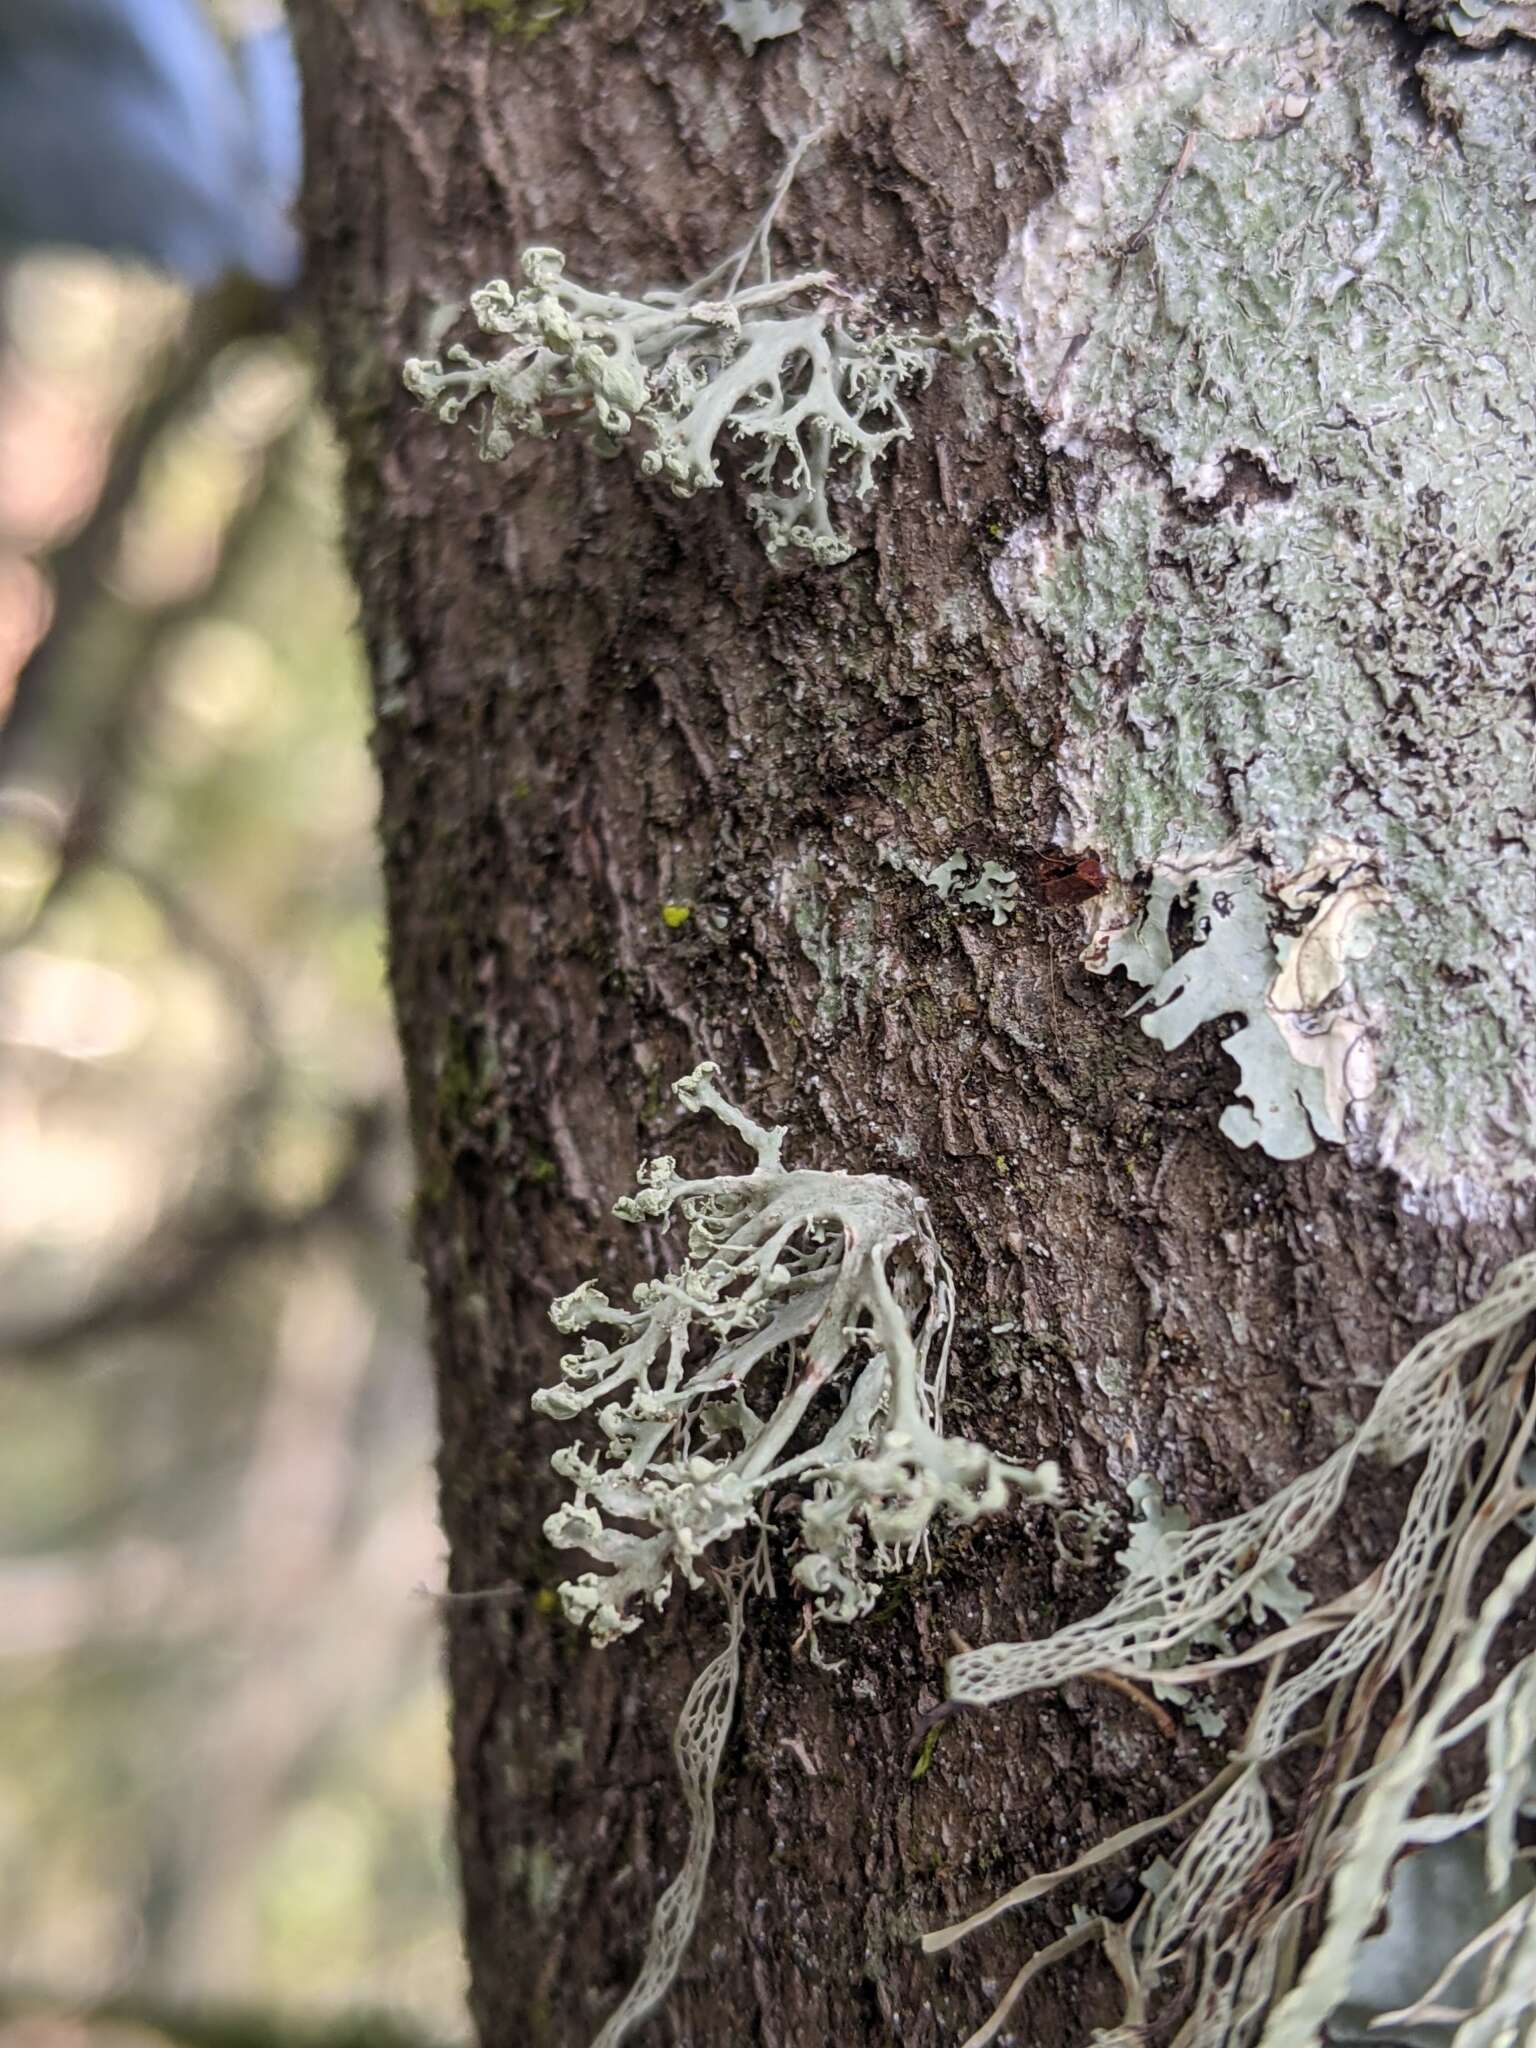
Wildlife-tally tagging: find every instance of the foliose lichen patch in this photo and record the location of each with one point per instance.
(1279, 951)
(1279, 315)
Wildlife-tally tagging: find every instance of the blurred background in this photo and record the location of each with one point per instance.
(223, 1778)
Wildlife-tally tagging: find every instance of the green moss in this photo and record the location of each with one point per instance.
(654, 1098)
(525, 19)
(925, 1754)
(897, 1595)
(457, 1091)
(433, 1191)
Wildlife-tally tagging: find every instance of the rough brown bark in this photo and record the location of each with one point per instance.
(592, 701)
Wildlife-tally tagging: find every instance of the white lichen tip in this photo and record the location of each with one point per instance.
(800, 373)
(795, 1282)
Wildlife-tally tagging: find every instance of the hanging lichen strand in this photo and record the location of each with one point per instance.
(697, 1747)
(799, 371)
(1220, 1951)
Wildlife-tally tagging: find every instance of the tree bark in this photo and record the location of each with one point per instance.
(595, 701)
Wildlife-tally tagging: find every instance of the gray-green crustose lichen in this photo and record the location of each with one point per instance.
(837, 938)
(1280, 318)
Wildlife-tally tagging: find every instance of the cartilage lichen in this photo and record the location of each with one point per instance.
(796, 1282)
(799, 371)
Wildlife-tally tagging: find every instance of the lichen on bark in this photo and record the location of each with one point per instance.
(1279, 317)
(596, 704)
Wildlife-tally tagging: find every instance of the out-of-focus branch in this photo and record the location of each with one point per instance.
(103, 770)
(219, 1221)
(232, 1138)
(210, 2026)
(99, 779)
(78, 569)
(186, 1257)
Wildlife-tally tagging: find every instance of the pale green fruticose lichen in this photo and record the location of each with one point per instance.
(797, 1284)
(799, 370)
(1279, 315)
(1219, 1953)
(796, 1281)
(837, 937)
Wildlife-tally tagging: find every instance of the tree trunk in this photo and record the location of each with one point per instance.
(1176, 572)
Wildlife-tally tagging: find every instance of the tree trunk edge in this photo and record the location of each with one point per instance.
(556, 717)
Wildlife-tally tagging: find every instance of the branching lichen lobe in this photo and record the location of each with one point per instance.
(801, 1281)
(798, 370)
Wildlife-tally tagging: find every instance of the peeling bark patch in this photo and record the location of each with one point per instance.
(1257, 261)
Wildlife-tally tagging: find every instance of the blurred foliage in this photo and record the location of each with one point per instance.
(130, 2023)
(223, 1776)
(144, 2024)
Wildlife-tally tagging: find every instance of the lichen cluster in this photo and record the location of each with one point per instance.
(799, 373)
(796, 1360)
(1225, 1948)
(711, 1390)
(788, 1376)
(1279, 950)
